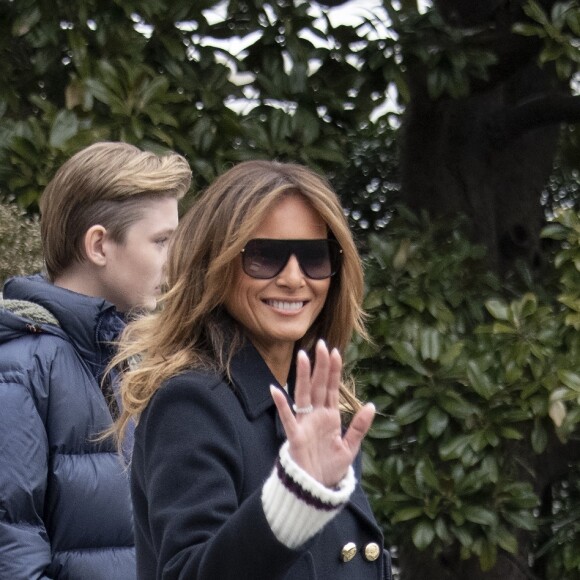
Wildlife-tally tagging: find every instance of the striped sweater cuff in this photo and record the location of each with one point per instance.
(296, 505)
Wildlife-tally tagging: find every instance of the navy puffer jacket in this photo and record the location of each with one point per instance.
(65, 508)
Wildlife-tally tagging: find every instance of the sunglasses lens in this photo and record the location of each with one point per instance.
(264, 258)
(314, 259)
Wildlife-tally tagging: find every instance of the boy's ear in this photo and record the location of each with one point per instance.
(95, 249)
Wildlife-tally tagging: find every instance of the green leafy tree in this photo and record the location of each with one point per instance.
(471, 455)
(153, 74)
(479, 91)
(450, 106)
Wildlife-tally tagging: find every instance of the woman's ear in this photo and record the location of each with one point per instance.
(95, 247)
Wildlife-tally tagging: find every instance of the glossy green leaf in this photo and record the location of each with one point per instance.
(406, 514)
(406, 354)
(423, 534)
(480, 382)
(425, 475)
(437, 421)
(480, 515)
(498, 309)
(539, 437)
(430, 344)
(570, 379)
(411, 411)
(455, 447)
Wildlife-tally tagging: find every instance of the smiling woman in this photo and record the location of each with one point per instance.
(277, 311)
(247, 451)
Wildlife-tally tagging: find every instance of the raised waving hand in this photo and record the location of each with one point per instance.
(314, 434)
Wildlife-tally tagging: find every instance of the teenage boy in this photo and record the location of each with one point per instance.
(106, 219)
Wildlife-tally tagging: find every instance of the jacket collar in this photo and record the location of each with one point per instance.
(252, 379)
(91, 324)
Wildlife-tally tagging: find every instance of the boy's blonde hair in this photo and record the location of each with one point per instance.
(103, 184)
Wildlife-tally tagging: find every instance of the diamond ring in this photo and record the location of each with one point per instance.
(302, 410)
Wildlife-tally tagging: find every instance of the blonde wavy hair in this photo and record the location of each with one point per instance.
(191, 329)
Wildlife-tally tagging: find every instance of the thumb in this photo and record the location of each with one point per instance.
(359, 427)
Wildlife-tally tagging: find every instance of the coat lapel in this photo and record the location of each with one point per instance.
(252, 379)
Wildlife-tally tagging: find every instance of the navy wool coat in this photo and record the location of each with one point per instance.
(203, 449)
(65, 508)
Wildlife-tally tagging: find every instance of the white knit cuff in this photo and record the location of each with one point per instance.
(296, 505)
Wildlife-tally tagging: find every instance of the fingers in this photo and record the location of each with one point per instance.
(286, 415)
(359, 427)
(319, 377)
(321, 389)
(302, 394)
(334, 379)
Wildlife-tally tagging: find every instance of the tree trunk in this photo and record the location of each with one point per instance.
(489, 155)
(468, 166)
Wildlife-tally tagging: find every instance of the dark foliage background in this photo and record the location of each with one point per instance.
(449, 129)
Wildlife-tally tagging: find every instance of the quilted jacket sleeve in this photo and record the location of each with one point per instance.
(24, 544)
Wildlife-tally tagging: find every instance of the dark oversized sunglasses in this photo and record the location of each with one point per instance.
(265, 258)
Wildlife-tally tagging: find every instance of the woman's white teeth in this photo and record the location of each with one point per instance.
(282, 305)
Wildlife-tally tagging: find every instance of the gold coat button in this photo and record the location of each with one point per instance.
(372, 552)
(348, 552)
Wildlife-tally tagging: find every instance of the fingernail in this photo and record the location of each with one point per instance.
(321, 343)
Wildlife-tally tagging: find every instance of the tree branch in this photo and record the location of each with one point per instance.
(539, 112)
(464, 13)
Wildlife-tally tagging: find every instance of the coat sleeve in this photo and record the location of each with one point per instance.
(24, 543)
(187, 472)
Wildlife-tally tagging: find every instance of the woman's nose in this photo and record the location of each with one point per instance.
(292, 274)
